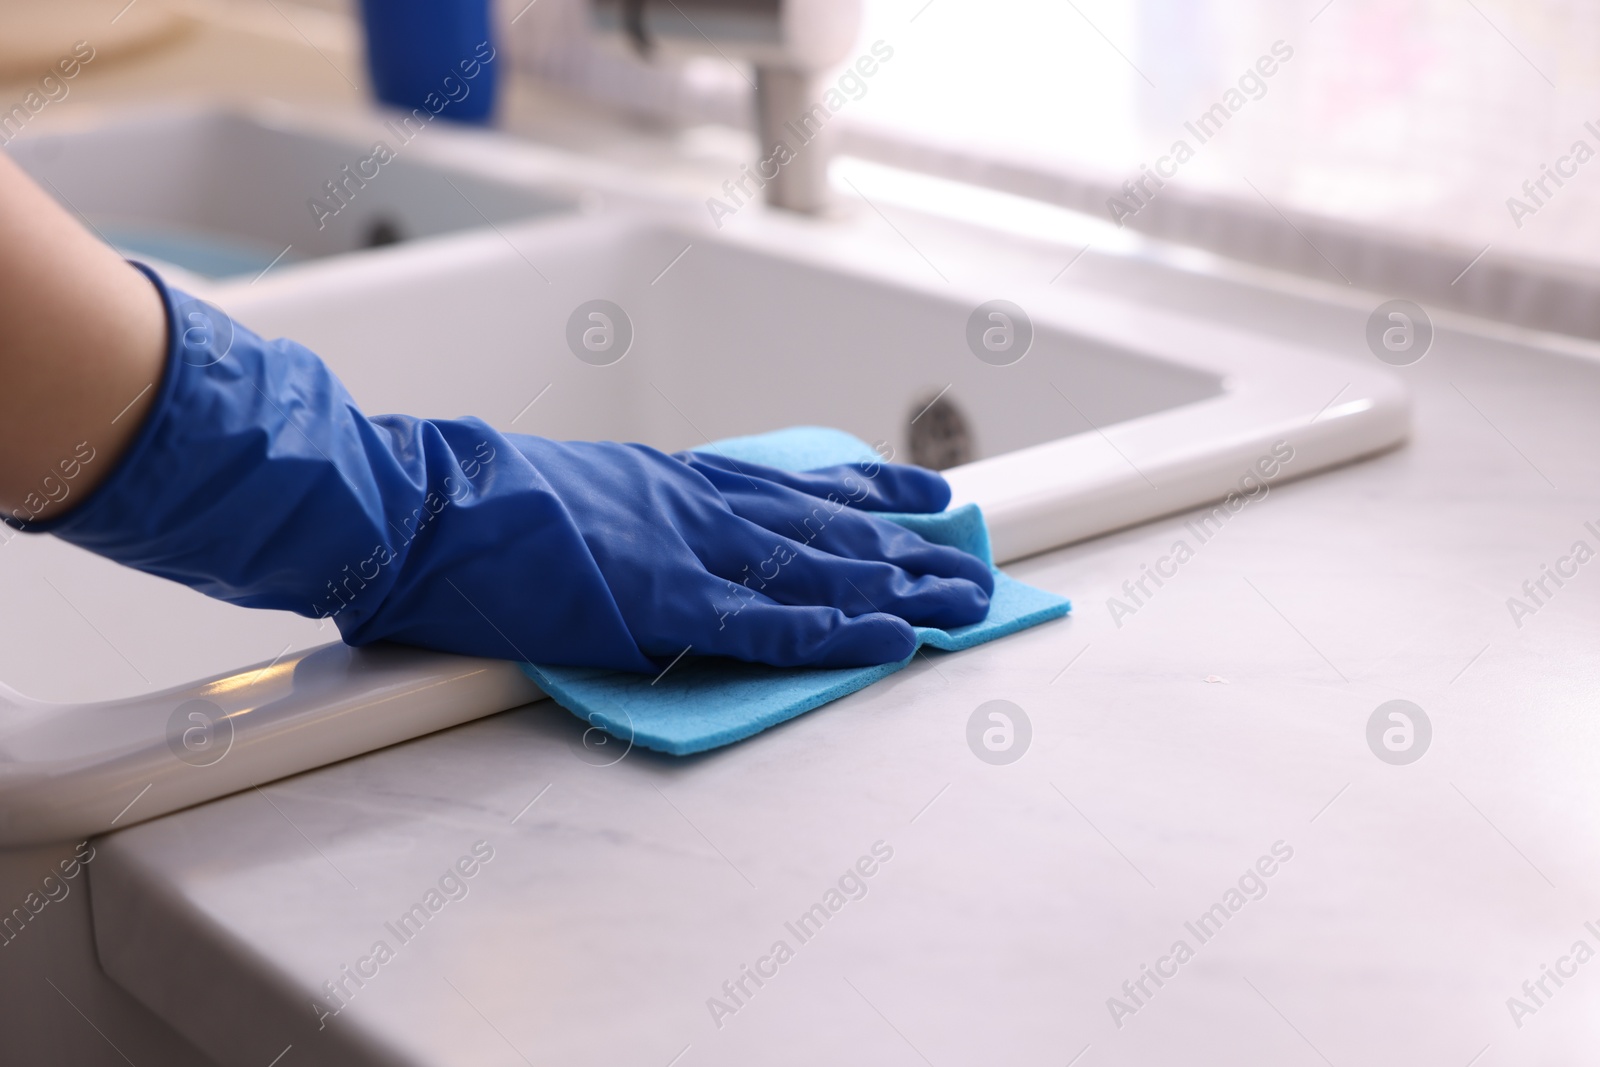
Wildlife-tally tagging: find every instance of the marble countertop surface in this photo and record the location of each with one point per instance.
(616, 899)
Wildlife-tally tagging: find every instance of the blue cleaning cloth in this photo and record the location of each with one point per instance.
(701, 704)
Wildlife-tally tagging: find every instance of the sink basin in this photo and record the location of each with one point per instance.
(734, 337)
(225, 192)
(1113, 414)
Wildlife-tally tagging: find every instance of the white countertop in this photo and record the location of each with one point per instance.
(1168, 754)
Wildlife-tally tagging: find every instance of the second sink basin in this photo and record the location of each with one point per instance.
(225, 192)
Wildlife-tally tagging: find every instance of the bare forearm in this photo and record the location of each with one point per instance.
(82, 337)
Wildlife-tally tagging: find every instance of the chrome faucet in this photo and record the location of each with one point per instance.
(792, 44)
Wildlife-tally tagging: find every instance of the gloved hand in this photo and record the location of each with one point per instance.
(257, 480)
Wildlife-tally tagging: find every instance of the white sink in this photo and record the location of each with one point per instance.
(1115, 415)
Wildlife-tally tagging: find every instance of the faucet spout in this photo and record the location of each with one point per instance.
(796, 139)
(791, 44)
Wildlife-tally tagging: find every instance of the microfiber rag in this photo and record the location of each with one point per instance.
(701, 704)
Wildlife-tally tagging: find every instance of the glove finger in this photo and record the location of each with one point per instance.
(856, 535)
(750, 626)
(831, 524)
(790, 573)
(801, 575)
(869, 486)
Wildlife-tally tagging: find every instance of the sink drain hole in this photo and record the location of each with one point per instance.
(382, 230)
(941, 436)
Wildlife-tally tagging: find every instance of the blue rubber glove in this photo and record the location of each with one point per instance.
(257, 480)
